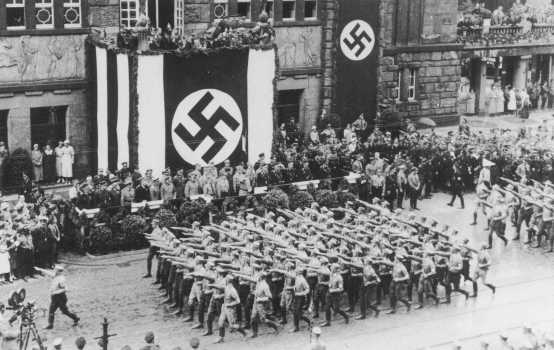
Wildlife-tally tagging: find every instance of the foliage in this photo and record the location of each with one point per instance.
(132, 229)
(17, 163)
(345, 196)
(166, 218)
(191, 211)
(100, 239)
(276, 198)
(326, 198)
(300, 199)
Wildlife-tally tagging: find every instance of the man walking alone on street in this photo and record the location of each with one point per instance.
(58, 296)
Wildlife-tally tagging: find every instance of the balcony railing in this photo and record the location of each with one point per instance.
(506, 35)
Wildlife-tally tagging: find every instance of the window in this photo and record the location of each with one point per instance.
(72, 13)
(288, 105)
(310, 9)
(243, 8)
(398, 87)
(15, 14)
(180, 16)
(221, 8)
(4, 126)
(48, 125)
(289, 10)
(129, 13)
(412, 84)
(44, 13)
(269, 8)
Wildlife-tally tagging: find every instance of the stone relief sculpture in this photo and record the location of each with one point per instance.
(298, 46)
(29, 58)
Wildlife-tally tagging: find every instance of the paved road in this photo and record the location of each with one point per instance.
(112, 286)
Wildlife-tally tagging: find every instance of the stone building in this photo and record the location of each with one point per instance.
(299, 37)
(42, 74)
(419, 70)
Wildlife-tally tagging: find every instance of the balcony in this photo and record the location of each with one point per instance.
(505, 35)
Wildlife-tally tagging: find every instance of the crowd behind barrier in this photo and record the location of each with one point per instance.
(406, 166)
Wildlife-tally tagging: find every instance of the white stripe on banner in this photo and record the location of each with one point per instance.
(102, 106)
(261, 72)
(151, 111)
(122, 109)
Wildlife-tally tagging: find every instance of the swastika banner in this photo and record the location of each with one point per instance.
(357, 59)
(206, 107)
(201, 108)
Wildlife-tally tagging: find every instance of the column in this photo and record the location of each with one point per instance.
(521, 71)
(19, 128)
(481, 88)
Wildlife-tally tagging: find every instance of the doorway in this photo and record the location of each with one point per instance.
(48, 125)
(161, 13)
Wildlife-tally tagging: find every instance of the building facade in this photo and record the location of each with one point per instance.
(42, 74)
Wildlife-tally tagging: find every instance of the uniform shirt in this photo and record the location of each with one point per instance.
(455, 263)
(336, 283)
(369, 275)
(231, 297)
(262, 293)
(301, 286)
(428, 266)
(483, 258)
(58, 285)
(399, 272)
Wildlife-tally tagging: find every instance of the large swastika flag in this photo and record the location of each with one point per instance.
(205, 107)
(357, 59)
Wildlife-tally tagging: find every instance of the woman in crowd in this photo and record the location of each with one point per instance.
(49, 164)
(36, 157)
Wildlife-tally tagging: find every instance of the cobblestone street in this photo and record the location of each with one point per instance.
(112, 287)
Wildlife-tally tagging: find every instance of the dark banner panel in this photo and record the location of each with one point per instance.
(357, 59)
(206, 107)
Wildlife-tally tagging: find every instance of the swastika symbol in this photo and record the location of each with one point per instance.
(357, 40)
(207, 127)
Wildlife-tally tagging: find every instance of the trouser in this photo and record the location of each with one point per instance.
(286, 303)
(413, 198)
(311, 297)
(59, 301)
(214, 309)
(298, 307)
(400, 198)
(465, 270)
(244, 291)
(259, 315)
(354, 291)
(184, 292)
(321, 298)
(276, 289)
(454, 280)
(248, 309)
(383, 287)
(440, 278)
(498, 227)
(334, 304)
(152, 252)
(425, 287)
(524, 215)
(397, 294)
(365, 299)
(414, 281)
(459, 194)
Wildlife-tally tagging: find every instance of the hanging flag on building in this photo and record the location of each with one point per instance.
(357, 59)
(202, 108)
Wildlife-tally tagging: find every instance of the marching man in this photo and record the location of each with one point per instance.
(58, 296)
